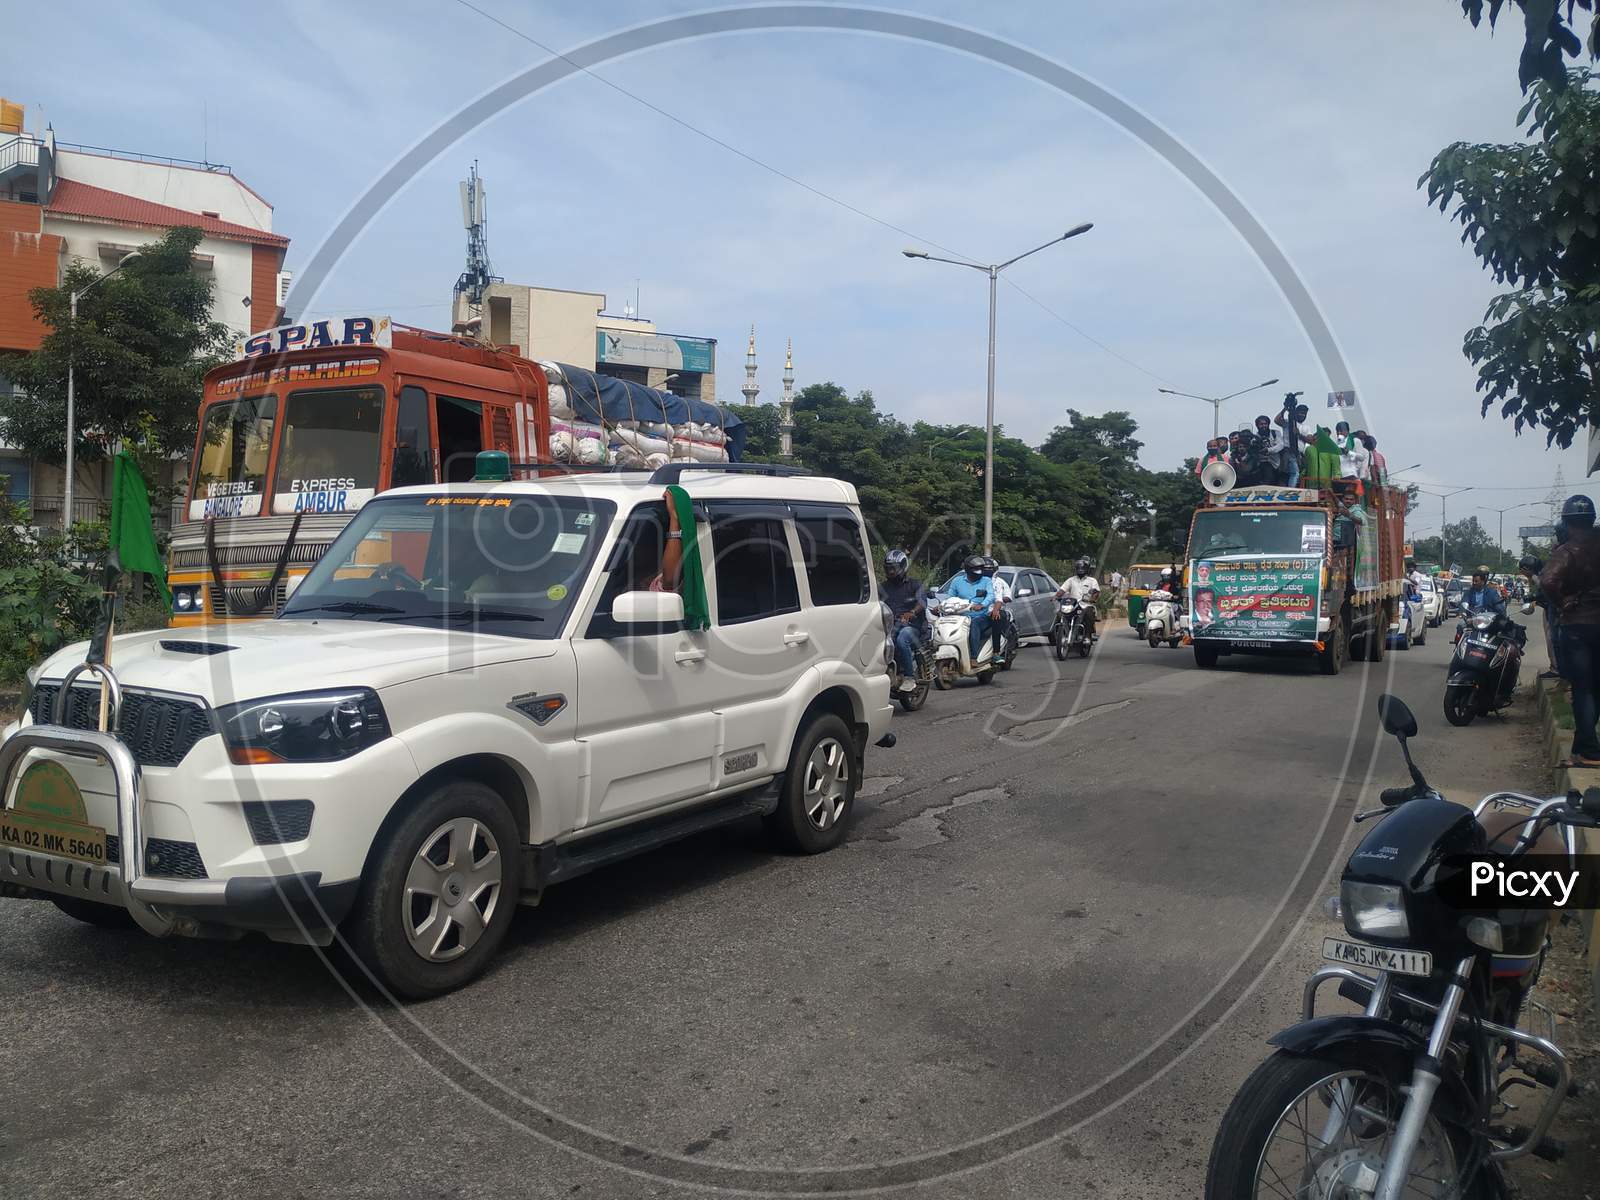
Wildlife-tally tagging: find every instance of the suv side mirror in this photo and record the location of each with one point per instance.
(647, 609)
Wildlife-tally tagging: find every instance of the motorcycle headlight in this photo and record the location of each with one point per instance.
(306, 727)
(1483, 621)
(1373, 909)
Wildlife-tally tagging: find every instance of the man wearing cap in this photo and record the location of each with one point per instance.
(1571, 582)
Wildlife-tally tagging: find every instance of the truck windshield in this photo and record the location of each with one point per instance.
(235, 445)
(329, 458)
(511, 565)
(1270, 532)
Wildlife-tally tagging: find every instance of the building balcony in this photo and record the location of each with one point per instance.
(25, 162)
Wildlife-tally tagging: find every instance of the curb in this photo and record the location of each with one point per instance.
(1556, 743)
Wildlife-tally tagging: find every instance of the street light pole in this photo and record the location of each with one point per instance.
(72, 416)
(1500, 540)
(1444, 531)
(993, 271)
(1217, 402)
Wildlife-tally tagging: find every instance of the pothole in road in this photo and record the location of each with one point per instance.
(877, 785)
(1037, 731)
(970, 715)
(927, 827)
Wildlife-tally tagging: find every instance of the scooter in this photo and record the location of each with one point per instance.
(952, 660)
(1483, 670)
(1069, 633)
(1161, 620)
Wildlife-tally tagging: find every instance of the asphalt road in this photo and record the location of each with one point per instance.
(1071, 908)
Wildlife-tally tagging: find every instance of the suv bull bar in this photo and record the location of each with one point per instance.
(126, 883)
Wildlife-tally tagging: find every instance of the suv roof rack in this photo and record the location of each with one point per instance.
(673, 472)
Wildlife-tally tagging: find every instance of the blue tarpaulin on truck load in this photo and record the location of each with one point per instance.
(591, 395)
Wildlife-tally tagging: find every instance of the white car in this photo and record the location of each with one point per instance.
(1411, 629)
(1432, 602)
(473, 695)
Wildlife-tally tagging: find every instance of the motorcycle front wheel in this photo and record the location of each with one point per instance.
(1321, 1126)
(1059, 640)
(944, 674)
(1460, 704)
(1155, 638)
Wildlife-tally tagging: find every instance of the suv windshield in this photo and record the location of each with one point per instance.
(1270, 532)
(329, 458)
(510, 565)
(235, 444)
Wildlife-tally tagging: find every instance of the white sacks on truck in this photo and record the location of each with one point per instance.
(595, 419)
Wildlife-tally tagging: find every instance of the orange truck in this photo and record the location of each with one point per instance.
(1299, 571)
(313, 421)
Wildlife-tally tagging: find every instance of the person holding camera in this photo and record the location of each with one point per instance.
(1298, 433)
(1273, 451)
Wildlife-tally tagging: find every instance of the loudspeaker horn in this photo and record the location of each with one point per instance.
(1218, 477)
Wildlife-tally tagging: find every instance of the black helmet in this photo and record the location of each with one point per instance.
(989, 564)
(1531, 564)
(1085, 565)
(894, 564)
(973, 566)
(1579, 510)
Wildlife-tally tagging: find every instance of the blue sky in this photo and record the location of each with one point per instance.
(1319, 117)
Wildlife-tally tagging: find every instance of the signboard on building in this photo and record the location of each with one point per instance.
(617, 347)
(1341, 399)
(1536, 531)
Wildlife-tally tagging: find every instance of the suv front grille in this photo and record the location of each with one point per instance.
(159, 730)
(274, 822)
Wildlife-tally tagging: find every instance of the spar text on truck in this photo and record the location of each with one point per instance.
(1302, 571)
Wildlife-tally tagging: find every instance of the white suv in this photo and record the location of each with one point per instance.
(474, 694)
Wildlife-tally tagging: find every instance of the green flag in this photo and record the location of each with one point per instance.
(691, 576)
(133, 534)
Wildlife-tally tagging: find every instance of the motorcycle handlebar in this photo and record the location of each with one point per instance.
(1390, 797)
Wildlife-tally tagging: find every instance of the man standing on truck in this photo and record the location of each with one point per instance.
(1571, 581)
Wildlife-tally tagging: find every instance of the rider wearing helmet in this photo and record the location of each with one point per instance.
(908, 601)
(1571, 584)
(1002, 597)
(973, 586)
(1084, 588)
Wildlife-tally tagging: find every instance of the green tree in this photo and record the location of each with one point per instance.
(1531, 212)
(141, 345)
(1174, 495)
(1106, 442)
(1549, 35)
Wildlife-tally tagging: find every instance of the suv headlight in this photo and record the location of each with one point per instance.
(1374, 909)
(305, 727)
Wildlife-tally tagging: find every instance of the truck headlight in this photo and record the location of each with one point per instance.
(305, 727)
(186, 599)
(1373, 909)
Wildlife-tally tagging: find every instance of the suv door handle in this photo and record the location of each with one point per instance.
(684, 657)
(798, 637)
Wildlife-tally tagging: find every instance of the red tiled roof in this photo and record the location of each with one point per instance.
(75, 199)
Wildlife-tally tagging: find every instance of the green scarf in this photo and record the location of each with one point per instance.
(691, 575)
(1322, 458)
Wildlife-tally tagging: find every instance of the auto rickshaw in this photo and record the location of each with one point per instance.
(1142, 579)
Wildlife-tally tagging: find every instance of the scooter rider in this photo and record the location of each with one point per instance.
(972, 586)
(1481, 596)
(908, 601)
(1084, 588)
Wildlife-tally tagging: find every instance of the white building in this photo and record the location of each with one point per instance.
(61, 202)
(550, 324)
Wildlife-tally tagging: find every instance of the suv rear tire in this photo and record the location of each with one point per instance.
(456, 849)
(819, 788)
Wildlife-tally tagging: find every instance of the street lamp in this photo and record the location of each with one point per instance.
(993, 271)
(1217, 402)
(1444, 532)
(1500, 540)
(72, 430)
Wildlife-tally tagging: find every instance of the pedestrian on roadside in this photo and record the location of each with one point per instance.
(1529, 568)
(1116, 584)
(1571, 582)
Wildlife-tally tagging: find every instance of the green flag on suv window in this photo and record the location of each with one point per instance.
(691, 575)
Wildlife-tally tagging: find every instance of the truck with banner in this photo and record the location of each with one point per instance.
(315, 419)
(1308, 571)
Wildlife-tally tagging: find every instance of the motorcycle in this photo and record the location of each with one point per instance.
(1409, 1098)
(922, 663)
(1068, 633)
(1161, 620)
(952, 660)
(1484, 668)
